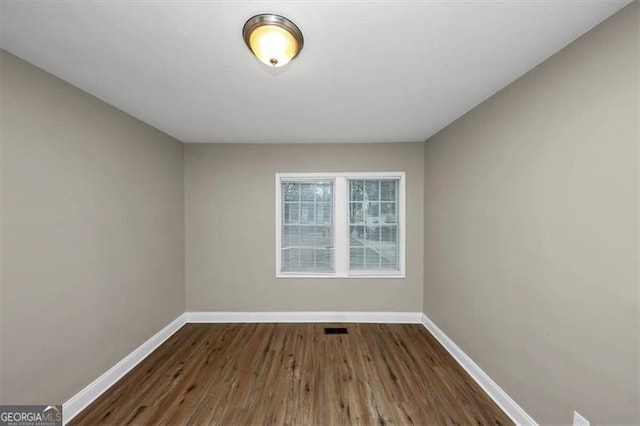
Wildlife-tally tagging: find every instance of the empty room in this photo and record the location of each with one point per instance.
(319, 213)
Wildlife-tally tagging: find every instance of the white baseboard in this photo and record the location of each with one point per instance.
(500, 397)
(364, 317)
(86, 396)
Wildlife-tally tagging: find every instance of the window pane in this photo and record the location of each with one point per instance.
(290, 259)
(291, 213)
(291, 191)
(322, 236)
(356, 190)
(356, 235)
(323, 213)
(308, 191)
(389, 259)
(388, 212)
(306, 259)
(388, 247)
(307, 246)
(372, 213)
(388, 234)
(323, 192)
(372, 235)
(314, 237)
(373, 246)
(307, 213)
(372, 192)
(324, 260)
(356, 258)
(290, 235)
(371, 259)
(309, 237)
(356, 213)
(388, 190)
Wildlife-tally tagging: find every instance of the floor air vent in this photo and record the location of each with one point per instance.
(335, 330)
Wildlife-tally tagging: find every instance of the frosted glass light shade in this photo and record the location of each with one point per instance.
(273, 39)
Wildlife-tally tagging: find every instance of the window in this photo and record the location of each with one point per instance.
(307, 229)
(340, 224)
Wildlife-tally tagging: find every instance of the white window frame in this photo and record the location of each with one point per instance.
(341, 223)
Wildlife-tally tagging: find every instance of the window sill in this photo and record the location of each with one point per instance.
(334, 276)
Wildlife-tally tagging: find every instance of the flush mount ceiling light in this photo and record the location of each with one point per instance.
(273, 39)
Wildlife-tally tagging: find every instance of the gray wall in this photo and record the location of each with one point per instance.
(92, 235)
(531, 226)
(230, 228)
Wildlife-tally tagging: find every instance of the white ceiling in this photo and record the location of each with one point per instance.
(369, 71)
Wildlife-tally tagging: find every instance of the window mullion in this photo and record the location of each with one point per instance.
(341, 216)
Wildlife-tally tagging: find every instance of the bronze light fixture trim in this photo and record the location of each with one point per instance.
(273, 39)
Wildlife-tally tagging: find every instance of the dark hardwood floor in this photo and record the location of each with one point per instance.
(294, 374)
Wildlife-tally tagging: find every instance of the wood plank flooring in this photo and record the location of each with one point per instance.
(294, 374)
